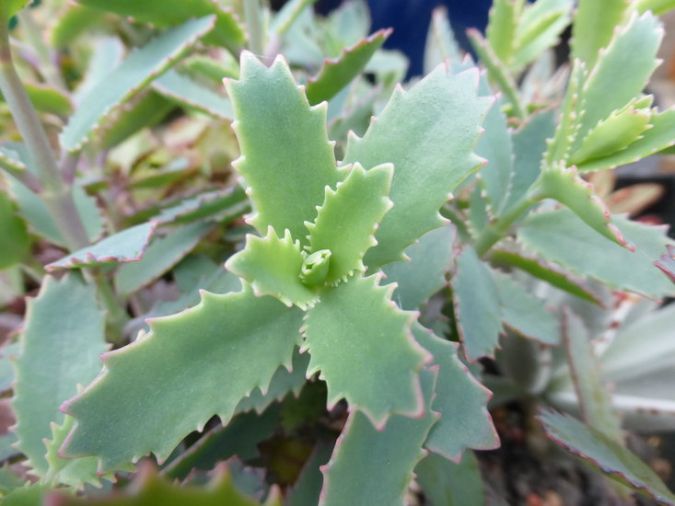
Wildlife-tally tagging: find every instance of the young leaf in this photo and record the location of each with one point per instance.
(287, 160)
(168, 13)
(658, 7)
(272, 265)
(187, 92)
(339, 72)
(565, 186)
(595, 403)
(200, 362)
(446, 483)
(524, 313)
(594, 26)
(561, 237)
(441, 45)
(126, 246)
(346, 223)
(460, 400)
(14, 240)
(423, 274)
(610, 457)
(129, 78)
(351, 324)
(624, 67)
(502, 25)
(159, 257)
(430, 144)
(60, 348)
(355, 473)
(476, 305)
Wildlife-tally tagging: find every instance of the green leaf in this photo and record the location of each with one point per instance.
(565, 186)
(524, 313)
(120, 417)
(594, 25)
(560, 236)
(529, 145)
(227, 32)
(428, 133)
(546, 272)
(126, 246)
(375, 466)
(595, 402)
(610, 457)
(656, 6)
(423, 274)
(72, 22)
(501, 29)
(441, 45)
(190, 93)
(149, 489)
(129, 78)
(446, 483)
(460, 400)
(287, 160)
(11, 161)
(28, 495)
(618, 131)
(667, 263)
(476, 306)
(351, 324)
(47, 99)
(272, 265)
(14, 240)
(60, 348)
(625, 68)
(658, 137)
(159, 257)
(306, 490)
(337, 73)
(346, 223)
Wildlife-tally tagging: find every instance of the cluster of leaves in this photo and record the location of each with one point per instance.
(301, 275)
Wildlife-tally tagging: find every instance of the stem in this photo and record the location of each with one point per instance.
(47, 68)
(56, 195)
(254, 21)
(496, 231)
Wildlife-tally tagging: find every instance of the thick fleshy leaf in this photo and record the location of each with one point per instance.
(355, 473)
(656, 6)
(167, 13)
(423, 274)
(159, 257)
(609, 456)
(658, 137)
(287, 160)
(428, 133)
(126, 246)
(352, 323)
(149, 489)
(120, 417)
(272, 265)
(476, 306)
(524, 313)
(441, 45)
(547, 272)
(446, 483)
(47, 99)
(192, 94)
(60, 348)
(502, 25)
(307, 489)
(346, 222)
(563, 238)
(130, 77)
(529, 145)
(337, 73)
(565, 186)
(595, 402)
(460, 400)
(613, 134)
(14, 240)
(624, 67)
(594, 26)
(667, 263)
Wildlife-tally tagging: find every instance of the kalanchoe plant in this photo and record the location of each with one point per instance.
(306, 283)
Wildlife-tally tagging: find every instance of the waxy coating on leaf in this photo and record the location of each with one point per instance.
(286, 158)
(460, 399)
(346, 222)
(363, 347)
(594, 25)
(315, 267)
(273, 265)
(170, 382)
(373, 466)
(428, 133)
